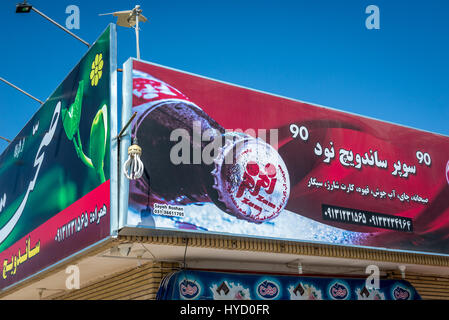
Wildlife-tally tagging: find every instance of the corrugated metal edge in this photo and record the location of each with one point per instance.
(296, 248)
(134, 283)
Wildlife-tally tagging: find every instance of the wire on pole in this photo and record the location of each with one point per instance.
(7, 140)
(60, 26)
(23, 91)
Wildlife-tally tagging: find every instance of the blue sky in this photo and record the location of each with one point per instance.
(316, 51)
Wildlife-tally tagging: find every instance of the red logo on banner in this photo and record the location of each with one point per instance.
(266, 180)
(263, 190)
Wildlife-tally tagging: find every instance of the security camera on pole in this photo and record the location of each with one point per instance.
(130, 19)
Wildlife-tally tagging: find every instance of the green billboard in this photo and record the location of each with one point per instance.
(55, 176)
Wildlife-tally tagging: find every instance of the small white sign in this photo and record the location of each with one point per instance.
(168, 210)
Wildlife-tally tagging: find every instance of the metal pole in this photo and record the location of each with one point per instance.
(119, 136)
(137, 32)
(7, 140)
(66, 30)
(17, 88)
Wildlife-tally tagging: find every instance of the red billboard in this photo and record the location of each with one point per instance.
(312, 174)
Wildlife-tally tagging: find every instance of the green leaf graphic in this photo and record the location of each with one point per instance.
(71, 117)
(98, 136)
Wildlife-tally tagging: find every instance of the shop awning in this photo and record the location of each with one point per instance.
(206, 285)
